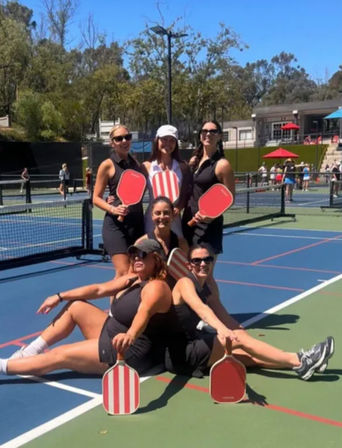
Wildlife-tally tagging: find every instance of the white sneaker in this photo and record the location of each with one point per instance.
(18, 354)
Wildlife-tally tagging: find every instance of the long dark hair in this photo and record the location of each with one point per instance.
(155, 155)
(198, 152)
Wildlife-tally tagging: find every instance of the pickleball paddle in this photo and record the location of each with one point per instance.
(227, 379)
(214, 202)
(177, 264)
(130, 188)
(165, 183)
(120, 389)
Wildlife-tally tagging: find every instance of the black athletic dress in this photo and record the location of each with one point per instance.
(210, 233)
(188, 349)
(148, 350)
(118, 236)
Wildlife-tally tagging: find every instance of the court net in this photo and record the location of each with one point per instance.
(256, 204)
(31, 233)
(20, 192)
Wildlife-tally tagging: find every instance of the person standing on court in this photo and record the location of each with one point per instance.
(209, 167)
(25, 177)
(289, 180)
(117, 235)
(64, 177)
(165, 156)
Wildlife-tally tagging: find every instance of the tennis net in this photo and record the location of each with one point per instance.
(31, 233)
(256, 204)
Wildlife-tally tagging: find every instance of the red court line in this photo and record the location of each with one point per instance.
(274, 266)
(299, 249)
(18, 341)
(272, 407)
(260, 285)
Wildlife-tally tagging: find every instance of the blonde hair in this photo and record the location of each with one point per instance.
(115, 128)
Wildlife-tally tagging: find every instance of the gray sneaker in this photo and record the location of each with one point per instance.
(330, 348)
(310, 360)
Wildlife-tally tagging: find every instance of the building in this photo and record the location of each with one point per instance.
(264, 128)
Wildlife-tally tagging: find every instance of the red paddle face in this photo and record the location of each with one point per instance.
(215, 201)
(177, 264)
(165, 183)
(120, 389)
(131, 187)
(227, 380)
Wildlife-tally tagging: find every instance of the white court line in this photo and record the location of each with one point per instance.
(61, 419)
(289, 302)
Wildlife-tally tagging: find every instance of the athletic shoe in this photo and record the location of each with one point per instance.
(310, 360)
(330, 348)
(18, 354)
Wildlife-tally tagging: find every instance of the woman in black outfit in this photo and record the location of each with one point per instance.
(142, 300)
(117, 235)
(209, 167)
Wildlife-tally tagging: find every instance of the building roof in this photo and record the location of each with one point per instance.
(319, 107)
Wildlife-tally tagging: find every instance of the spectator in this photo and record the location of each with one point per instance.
(263, 174)
(25, 177)
(89, 183)
(64, 176)
(289, 178)
(306, 177)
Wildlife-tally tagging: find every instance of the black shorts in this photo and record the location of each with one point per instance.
(144, 355)
(211, 233)
(118, 236)
(190, 357)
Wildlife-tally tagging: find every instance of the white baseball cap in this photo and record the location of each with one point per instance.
(166, 130)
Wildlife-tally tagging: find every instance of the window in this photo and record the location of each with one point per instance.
(245, 134)
(225, 136)
(278, 134)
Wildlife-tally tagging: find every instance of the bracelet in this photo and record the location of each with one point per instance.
(59, 296)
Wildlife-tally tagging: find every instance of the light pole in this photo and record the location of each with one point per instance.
(236, 148)
(169, 34)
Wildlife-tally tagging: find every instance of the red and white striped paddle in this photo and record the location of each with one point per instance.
(165, 183)
(177, 264)
(120, 389)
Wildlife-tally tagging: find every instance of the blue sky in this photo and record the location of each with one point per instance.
(310, 29)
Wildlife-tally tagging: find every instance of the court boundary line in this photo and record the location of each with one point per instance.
(60, 420)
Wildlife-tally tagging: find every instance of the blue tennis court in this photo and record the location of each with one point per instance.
(276, 280)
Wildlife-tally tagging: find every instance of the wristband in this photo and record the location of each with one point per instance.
(59, 296)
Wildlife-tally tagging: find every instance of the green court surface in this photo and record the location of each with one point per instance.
(288, 412)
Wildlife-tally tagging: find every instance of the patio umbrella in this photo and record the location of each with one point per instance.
(290, 126)
(280, 153)
(336, 114)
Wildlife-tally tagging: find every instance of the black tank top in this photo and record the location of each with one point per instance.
(120, 166)
(126, 306)
(173, 242)
(182, 318)
(203, 179)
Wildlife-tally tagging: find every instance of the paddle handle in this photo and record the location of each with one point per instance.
(120, 356)
(192, 222)
(120, 218)
(228, 348)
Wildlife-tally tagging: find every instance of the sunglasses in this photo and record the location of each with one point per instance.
(209, 131)
(197, 261)
(138, 254)
(120, 138)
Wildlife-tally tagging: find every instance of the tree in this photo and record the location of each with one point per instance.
(14, 57)
(58, 17)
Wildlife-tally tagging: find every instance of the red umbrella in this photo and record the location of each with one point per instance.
(290, 126)
(280, 153)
